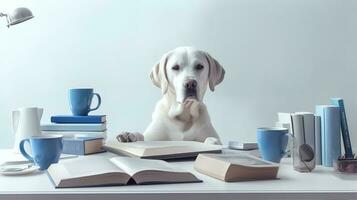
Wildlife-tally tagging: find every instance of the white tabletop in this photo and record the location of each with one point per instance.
(322, 183)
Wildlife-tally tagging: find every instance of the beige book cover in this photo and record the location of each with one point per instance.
(235, 167)
(100, 171)
(161, 149)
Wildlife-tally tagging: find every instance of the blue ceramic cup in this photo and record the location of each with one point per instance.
(80, 100)
(272, 143)
(45, 150)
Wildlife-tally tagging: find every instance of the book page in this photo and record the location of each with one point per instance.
(242, 159)
(87, 166)
(134, 165)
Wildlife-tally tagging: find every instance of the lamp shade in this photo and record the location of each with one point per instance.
(19, 15)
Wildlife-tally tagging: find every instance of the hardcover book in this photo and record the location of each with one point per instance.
(77, 134)
(235, 167)
(82, 145)
(330, 133)
(161, 149)
(318, 154)
(344, 127)
(100, 171)
(78, 119)
(73, 127)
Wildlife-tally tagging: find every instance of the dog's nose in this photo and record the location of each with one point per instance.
(191, 84)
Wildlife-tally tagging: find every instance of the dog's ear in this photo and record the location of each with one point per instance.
(158, 74)
(216, 72)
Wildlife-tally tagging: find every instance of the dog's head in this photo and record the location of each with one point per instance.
(186, 72)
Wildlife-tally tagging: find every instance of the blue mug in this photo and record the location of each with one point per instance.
(80, 101)
(272, 143)
(45, 150)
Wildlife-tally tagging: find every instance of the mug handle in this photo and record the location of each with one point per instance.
(99, 102)
(287, 141)
(23, 151)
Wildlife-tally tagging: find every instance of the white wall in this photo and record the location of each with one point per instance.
(286, 55)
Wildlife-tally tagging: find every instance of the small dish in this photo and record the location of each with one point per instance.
(15, 170)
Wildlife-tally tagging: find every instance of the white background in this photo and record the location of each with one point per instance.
(286, 55)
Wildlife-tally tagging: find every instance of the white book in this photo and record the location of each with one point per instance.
(318, 140)
(100, 171)
(284, 121)
(76, 134)
(242, 145)
(161, 149)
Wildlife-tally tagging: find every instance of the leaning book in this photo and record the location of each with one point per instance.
(235, 167)
(94, 170)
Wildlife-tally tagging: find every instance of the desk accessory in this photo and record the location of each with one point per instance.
(17, 16)
(330, 133)
(26, 123)
(303, 127)
(246, 146)
(78, 119)
(347, 163)
(16, 170)
(318, 153)
(272, 143)
(80, 100)
(100, 171)
(161, 149)
(45, 150)
(82, 145)
(235, 167)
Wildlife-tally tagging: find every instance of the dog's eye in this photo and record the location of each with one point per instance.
(199, 67)
(176, 67)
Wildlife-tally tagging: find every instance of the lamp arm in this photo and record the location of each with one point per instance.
(3, 14)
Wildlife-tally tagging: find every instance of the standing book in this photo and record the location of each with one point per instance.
(344, 127)
(94, 170)
(330, 133)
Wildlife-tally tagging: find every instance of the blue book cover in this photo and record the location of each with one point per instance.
(82, 146)
(330, 133)
(344, 127)
(74, 127)
(78, 119)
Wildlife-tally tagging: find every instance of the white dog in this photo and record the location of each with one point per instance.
(183, 75)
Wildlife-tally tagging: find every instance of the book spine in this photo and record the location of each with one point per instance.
(344, 127)
(77, 119)
(73, 127)
(75, 147)
(333, 137)
(330, 134)
(318, 140)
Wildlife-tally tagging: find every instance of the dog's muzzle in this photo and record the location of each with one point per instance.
(190, 89)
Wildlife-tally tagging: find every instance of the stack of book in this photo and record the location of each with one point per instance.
(326, 128)
(82, 135)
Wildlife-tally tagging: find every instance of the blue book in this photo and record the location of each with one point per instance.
(74, 127)
(344, 127)
(330, 133)
(82, 146)
(78, 119)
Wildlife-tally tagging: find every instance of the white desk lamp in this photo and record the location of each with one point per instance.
(17, 16)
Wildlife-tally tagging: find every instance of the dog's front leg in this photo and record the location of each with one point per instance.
(130, 137)
(211, 140)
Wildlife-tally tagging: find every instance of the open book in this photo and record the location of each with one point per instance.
(161, 149)
(101, 171)
(235, 167)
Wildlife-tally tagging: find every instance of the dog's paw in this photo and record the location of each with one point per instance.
(130, 137)
(211, 140)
